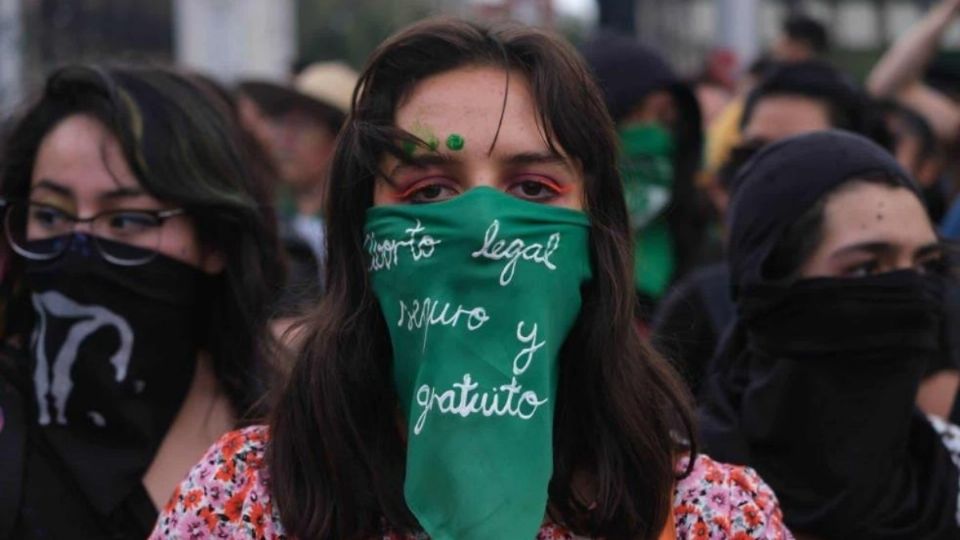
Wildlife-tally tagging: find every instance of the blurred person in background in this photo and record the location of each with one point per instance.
(839, 277)
(138, 275)
(914, 144)
(899, 76)
(298, 127)
(466, 141)
(716, 85)
(790, 100)
(661, 143)
(802, 38)
(258, 164)
(723, 134)
(798, 97)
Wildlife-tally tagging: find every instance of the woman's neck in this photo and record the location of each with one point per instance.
(205, 415)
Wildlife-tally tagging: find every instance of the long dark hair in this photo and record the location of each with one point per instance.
(337, 454)
(183, 149)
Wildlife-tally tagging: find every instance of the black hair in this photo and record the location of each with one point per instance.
(913, 123)
(846, 105)
(761, 66)
(808, 31)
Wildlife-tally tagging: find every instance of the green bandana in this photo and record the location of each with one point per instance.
(479, 293)
(647, 169)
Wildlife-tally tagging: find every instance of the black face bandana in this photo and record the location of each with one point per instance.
(839, 318)
(113, 353)
(832, 375)
(814, 385)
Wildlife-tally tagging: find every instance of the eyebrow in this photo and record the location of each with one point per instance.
(536, 158)
(424, 161)
(929, 249)
(119, 193)
(521, 159)
(876, 248)
(879, 248)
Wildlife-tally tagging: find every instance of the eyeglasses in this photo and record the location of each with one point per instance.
(43, 232)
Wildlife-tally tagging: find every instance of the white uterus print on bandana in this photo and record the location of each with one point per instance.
(54, 380)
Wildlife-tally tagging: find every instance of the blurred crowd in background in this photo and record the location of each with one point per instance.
(696, 90)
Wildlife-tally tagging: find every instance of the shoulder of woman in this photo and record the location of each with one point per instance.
(717, 500)
(225, 495)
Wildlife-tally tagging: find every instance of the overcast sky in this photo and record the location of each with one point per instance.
(585, 9)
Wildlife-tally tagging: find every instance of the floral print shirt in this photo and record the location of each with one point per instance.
(227, 495)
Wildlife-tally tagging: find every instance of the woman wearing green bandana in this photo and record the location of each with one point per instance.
(474, 370)
(660, 140)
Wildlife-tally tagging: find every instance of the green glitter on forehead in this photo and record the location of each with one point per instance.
(426, 135)
(455, 142)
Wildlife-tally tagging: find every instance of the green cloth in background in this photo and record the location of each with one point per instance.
(646, 166)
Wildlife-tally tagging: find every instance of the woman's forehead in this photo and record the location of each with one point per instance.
(81, 154)
(467, 109)
(870, 211)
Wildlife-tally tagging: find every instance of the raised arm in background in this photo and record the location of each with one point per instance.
(898, 73)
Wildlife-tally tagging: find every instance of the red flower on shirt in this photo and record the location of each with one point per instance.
(172, 502)
(684, 509)
(227, 472)
(740, 478)
(192, 499)
(209, 518)
(232, 444)
(752, 514)
(258, 519)
(234, 507)
(713, 476)
(723, 522)
(700, 531)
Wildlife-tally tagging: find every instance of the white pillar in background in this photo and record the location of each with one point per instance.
(11, 55)
(737, 28)
(233, 39)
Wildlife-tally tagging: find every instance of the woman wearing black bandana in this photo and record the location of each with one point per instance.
(834, 268)
(137, 270)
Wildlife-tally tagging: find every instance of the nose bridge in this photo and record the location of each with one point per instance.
(482, 172)
(904, 257)
(85, 227)
(86, 208)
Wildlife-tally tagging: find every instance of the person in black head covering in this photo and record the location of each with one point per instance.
(838, 277)
(661, 137)
(789, 99)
